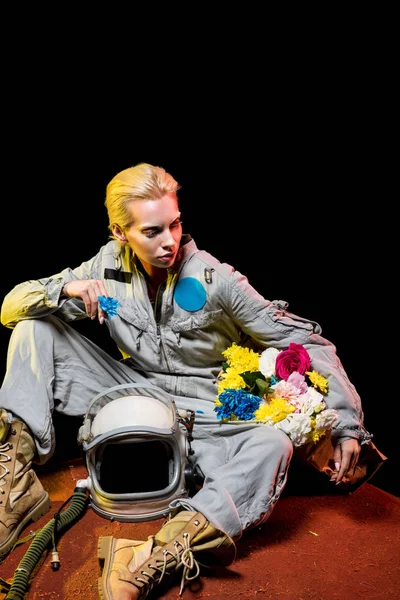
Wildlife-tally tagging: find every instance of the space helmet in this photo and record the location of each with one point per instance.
(137, 452)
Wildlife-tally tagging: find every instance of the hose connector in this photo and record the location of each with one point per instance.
(55, 561)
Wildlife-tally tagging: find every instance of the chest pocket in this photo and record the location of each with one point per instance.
(196, 321)
(129, 312)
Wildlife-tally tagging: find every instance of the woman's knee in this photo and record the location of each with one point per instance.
(273, 441)
(46, 326)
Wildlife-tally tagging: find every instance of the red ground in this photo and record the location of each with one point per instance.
(330, 547)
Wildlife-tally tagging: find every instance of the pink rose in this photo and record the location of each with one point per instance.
(295, 358)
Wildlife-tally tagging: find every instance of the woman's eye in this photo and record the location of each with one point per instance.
(150, 233)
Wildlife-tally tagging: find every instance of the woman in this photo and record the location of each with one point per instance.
(177, 309)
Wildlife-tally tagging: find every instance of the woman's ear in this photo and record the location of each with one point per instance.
(119, 234)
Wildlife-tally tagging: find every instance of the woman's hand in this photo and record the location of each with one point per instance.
(89, 291)
(346, 457)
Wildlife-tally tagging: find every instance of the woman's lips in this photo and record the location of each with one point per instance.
(167, 257)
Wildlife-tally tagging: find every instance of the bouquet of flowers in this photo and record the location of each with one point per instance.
(275, 387)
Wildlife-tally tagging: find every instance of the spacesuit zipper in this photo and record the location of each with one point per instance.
(157, 316)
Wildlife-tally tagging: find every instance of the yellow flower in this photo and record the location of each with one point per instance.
(315, 434)
(230, 379)
(275, 410)
(241, 359)
(318, 381)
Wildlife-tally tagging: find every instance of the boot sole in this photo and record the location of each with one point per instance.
(104, 550)
(34, 515)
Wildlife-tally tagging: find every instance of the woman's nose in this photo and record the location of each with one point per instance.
(168, 239)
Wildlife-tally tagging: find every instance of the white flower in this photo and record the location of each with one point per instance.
(325, 419)
(266, 363)
(310, 401)
(296, 426)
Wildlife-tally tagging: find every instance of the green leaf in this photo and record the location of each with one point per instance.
(250, 377)
(263, 386)
(255, 380)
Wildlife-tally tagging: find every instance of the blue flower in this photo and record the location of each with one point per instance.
(238, 403)
(109, 305)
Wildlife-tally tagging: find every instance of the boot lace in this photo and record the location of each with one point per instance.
(183, 556)
(4, 457)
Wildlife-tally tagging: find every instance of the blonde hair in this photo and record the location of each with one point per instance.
(141, 182)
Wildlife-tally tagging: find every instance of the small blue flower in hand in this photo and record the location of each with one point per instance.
(109, 305)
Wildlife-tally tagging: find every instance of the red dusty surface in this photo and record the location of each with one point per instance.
(331, 547)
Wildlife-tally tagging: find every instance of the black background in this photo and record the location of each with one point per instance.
(287, 174)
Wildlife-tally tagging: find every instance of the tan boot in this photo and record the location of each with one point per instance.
(22, 497)
(131, 569)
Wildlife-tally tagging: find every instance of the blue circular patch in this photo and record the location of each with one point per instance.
(189, 294)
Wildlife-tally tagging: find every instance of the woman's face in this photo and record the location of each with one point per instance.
(156, 231)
